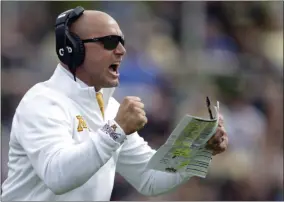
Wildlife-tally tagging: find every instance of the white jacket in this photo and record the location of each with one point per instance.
(54, 157)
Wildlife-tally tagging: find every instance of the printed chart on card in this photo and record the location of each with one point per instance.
(184, 150)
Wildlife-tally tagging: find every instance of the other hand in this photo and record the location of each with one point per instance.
(218, 143)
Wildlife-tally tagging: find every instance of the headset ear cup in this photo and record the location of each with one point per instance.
(79, 52)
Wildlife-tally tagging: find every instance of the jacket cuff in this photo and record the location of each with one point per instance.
(114, 131)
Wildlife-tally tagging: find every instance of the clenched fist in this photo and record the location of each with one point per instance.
(131, 115)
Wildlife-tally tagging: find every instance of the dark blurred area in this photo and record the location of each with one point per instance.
(177, 54)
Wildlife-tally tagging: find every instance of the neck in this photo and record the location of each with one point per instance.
(97, 89)
(80, 75)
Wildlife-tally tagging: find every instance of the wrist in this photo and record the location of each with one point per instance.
(114, 131)
(116, 127)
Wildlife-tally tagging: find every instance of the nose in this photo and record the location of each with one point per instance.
(120, 50)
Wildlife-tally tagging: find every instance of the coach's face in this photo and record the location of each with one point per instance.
(103, 57)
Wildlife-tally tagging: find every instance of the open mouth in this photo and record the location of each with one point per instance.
(114, 68)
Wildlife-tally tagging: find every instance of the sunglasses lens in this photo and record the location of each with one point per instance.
(111, 42)
(122, 41)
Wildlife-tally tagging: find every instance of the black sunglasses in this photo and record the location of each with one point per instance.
(110, 42)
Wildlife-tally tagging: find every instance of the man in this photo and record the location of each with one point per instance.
(65, 144)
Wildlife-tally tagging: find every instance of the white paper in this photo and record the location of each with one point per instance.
(184, 150)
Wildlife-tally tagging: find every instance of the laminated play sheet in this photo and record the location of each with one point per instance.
(184, 150)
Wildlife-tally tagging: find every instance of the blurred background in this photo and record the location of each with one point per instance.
(177, 54)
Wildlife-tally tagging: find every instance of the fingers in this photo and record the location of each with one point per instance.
(215, 152)
(139, 105)
(225, 142)
(217, 138)
(134, 98)
(139, 111)
(221, 120)
(219, 142)
(221, 147)
(137, 108)
(142, 121)
(131, 115)
(132, 102)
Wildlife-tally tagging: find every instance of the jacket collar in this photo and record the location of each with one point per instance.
(62, 81)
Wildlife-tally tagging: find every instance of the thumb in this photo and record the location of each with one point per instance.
(221, 117)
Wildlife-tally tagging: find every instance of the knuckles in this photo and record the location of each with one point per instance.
(127, 100)
(146, 120)
(131, 105)
(134, 113)
(141, 117)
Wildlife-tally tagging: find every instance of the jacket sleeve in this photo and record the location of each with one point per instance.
(132, 161)
(44, 129)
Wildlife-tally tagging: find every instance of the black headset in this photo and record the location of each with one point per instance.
(69, 47)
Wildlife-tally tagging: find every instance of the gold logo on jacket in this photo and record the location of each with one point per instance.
(82, 124)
